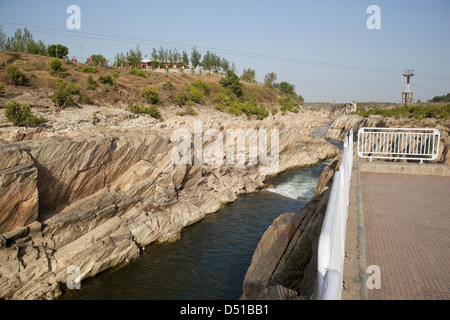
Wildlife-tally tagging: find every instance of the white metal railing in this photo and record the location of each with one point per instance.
(398, 143)
(332, 236)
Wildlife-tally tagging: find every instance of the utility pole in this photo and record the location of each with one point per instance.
(81, 58)
(407, 95)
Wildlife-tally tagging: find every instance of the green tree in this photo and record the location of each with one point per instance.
(120, 59)
(444, 98)
(248, 75)
(287, 88)
(18, 42)
(224, 65)
(3, 39)
(155, 55)
(231, 81)
(58, 51)
(211, 61)
(134, 57)
(38, 48)
(269, 79)
(22, 42)
(185, 57)
(195, 58)
(98, 60)
(163, 55)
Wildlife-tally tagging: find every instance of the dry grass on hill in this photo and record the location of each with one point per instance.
(36, 70)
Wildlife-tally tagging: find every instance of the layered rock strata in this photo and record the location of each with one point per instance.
(95, 198)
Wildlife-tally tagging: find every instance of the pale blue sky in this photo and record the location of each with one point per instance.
(323, 47)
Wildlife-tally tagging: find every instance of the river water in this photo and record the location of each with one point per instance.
(211, 258)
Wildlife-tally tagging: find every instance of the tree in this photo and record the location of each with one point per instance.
(163, 55)
(58, 51)
(231, 81)
(120, 59)
(269, 79)
(16, 43)
(195, 58)
(155, 56)
(287, 88)
(207, 61)
(441, 98)
(248, 75)
(134, 57)
(38, 48)
(22, 42)
(185, 57)
(98, 60)
(225, 65)
(3, 39)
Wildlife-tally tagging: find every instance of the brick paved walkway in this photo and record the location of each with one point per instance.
(407, 228)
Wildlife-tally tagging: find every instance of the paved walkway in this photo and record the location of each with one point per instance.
(407, 234)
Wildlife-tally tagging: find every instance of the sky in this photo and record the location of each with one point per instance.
(323, 47)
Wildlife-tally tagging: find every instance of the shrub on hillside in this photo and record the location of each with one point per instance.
(189, 111)
(167, 85)
(56, 66)
(231, 81)
(88, 69)
(139, 73)
(203, 86)
(14, 75)
(227, 101)
(150, 95)
(63, 95)
(288, 104)
(141, 109)
(195, 96)
(91, 83)
(21, 115)
(106, 79)
(180, 99)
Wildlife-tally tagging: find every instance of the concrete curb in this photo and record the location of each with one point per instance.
(361, 239)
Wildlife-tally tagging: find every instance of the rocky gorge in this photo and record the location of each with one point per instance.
(94, 194)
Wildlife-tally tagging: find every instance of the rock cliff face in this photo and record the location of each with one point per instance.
(94, 198)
